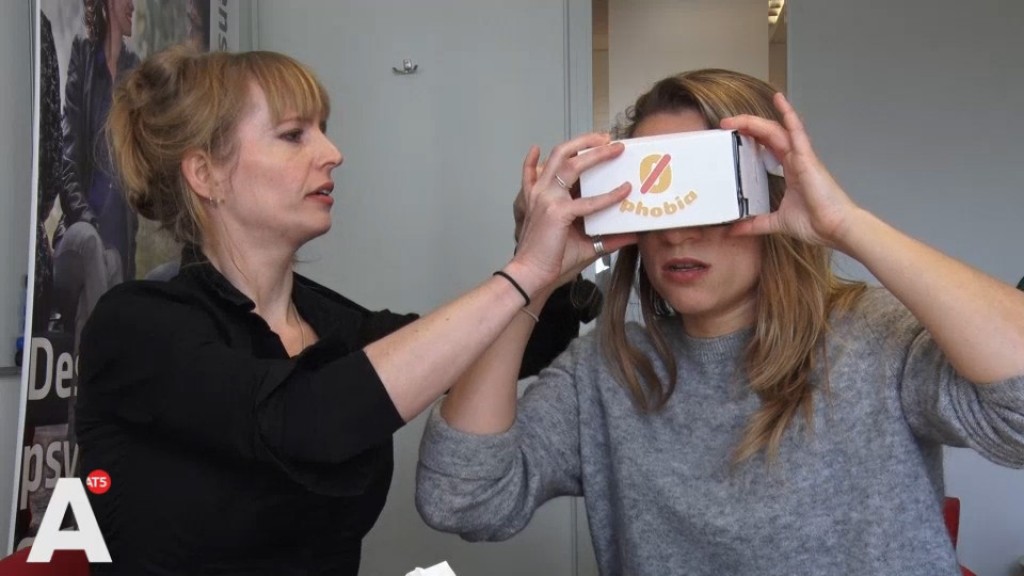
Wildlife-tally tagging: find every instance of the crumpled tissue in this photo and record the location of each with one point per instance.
(442, 569)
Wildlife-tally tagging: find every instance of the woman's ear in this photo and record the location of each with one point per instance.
(199, 173)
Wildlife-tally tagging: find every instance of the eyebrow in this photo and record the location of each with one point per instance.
(299, 118)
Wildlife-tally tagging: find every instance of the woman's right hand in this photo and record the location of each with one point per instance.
(550, 243)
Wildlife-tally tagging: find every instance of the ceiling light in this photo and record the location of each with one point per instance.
(774, 10)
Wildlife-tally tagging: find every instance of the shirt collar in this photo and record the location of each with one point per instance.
(326, 311)
(196, 265)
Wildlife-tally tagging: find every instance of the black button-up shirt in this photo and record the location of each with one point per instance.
(225, 455)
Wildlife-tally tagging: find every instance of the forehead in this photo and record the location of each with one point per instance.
(688, 120)
(257, 110)
(262, 107)
(287, 90)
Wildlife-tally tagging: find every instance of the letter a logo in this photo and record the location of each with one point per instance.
(69, 492)
(655, 173)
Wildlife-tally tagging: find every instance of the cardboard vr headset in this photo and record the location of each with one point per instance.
(686, 179)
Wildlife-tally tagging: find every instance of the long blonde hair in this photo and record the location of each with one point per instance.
(180, 100)
(796, 293)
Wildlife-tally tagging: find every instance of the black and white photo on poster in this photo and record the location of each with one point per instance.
(86, 237)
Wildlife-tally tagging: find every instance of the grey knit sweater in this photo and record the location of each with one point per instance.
(860, 494)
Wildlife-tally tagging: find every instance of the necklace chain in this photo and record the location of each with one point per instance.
(302, 332)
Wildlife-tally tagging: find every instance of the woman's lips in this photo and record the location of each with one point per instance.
(685, 269)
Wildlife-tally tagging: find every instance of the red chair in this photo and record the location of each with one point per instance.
(63, 563)
(951, 512)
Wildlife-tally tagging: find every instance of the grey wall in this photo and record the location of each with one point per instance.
(650, 39)
(423, 200)
(15, 166)
(916, 106)
(15, 198)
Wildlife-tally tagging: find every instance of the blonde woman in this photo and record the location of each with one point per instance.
(766, 416)
(243, 412)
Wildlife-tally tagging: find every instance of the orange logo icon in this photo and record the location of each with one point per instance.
(655, 173)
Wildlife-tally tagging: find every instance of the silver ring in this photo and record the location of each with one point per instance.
(599, 246)
(562, 182)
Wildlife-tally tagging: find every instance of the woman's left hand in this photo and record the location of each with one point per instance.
(815, 208)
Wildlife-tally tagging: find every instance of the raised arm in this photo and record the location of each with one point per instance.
(976, 320)
(421, 361)
(484, 399)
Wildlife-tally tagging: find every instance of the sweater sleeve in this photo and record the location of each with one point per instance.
(487, 487)
(940, 405)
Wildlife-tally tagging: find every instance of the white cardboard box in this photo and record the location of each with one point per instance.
(685, 179)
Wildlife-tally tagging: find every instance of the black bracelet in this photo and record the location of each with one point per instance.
(515, 285)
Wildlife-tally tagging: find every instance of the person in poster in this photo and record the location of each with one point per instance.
(87, 239)
(95, 242)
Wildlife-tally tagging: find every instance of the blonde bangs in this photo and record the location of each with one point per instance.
(290, 87)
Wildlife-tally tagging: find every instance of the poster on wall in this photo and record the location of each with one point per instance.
(86, 238)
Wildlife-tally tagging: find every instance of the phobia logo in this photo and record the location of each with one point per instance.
(655, 173)
(655, 178)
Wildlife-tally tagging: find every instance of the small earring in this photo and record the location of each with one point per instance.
(661, 306)
(214, 201)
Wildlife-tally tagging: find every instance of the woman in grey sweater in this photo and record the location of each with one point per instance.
(765, 415)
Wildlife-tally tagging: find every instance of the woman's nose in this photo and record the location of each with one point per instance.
(332, 156)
